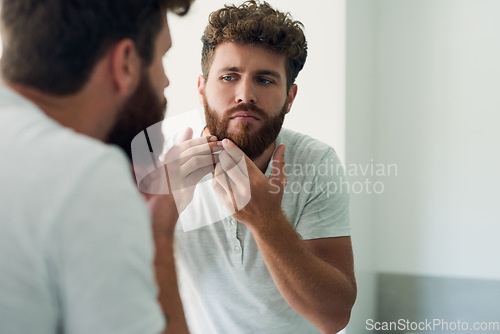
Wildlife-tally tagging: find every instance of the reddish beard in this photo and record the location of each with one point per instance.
(143, 109)
(252, 144)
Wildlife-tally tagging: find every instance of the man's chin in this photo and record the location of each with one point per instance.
(243, 129)
(239, 134)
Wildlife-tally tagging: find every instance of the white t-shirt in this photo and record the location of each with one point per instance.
(75, 240)
(224, 282)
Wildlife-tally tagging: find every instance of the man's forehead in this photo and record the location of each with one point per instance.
(230, 56)
(164, 39)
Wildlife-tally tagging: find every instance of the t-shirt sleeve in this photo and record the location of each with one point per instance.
(326, 208)
(103, 255)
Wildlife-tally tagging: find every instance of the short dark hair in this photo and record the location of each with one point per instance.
(53, 45)
(260, 25)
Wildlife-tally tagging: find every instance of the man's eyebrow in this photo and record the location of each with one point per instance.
(236, 69)
(230, 69)
(270, 73)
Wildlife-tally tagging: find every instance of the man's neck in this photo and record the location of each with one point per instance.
(72, 111)
(262, 161)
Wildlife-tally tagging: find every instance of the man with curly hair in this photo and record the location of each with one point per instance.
(78, 250)
(279, 259)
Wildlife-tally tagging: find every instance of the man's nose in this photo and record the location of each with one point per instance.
(246, 92)
(166, 82)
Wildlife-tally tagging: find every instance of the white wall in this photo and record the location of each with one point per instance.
(422, 92)
(437, 116)
(360, 149)
(319, 107)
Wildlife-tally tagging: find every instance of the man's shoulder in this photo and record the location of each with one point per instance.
(40, 154)
(81, 162)
(48, 169)
(302, 146)
(27, 133)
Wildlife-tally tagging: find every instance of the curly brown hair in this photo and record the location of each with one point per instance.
(256, 24)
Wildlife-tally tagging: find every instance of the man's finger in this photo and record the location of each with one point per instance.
(237, 155)
(223, 195)
(205, 149)
(196, 176)
(234, 151)
(186, 135)
(278, 175)
(203, 141)
(225, 182)
(194, 166)
(220, 177)
(233, 171)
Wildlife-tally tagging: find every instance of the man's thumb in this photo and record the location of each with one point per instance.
(186, 135)
(278, 170)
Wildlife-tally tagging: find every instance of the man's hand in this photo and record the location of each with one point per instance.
(244, 189)
(187, 163)
(184, 165)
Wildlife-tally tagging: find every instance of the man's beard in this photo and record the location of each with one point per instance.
(252, 144)
(141, 110)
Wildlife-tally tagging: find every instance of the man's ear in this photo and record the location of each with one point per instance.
(292, 92)
(125, 67)
(201, 88)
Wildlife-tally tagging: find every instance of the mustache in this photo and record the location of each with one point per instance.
(246, 107)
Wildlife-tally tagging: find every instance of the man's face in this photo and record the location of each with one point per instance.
(245, 97)
(146, 106)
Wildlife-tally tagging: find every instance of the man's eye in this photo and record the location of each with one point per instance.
(227, 78)
(264, 81)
